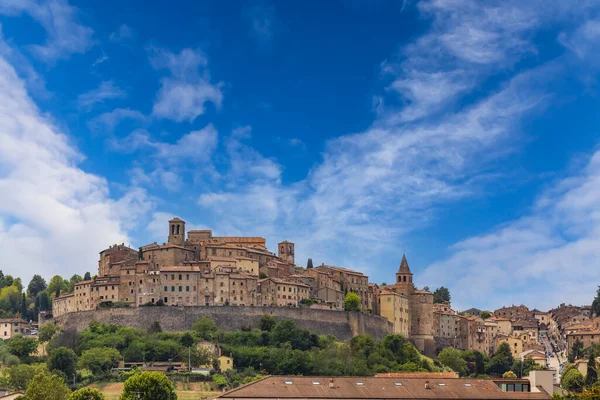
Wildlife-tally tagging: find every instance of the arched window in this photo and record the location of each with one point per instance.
(172, 229)
(404, 279)
(282, 249)
(178, 229)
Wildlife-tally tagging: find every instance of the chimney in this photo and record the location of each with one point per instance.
(331, 385)
(427, 385)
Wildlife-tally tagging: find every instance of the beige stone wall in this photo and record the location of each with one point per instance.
(63, 305)
(164, 256)
(127, 285)
(395, 308)
(248, 265)
(83, 297)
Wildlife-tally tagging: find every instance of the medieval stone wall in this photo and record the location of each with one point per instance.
(342, 325)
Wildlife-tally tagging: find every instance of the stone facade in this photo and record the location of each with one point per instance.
(395, 307)
(10, 327)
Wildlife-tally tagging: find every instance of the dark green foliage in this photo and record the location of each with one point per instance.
(352, 302)
(592, 375)
(87, 393)
(87, 276)
(596, 303)
(576, 351)
(36, 285)
(21, 346)
(205, 328)
(186, 340)
(64, 360)
(485, 314)
(267, 322)
(148, 386)
(441, 295)
(309, 263)
(155, 328)
(501, 361)
(140, 254)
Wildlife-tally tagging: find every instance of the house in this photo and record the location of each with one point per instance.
(10, 327)
(325, 388)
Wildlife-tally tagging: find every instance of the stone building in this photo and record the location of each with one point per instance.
(420, 309)
(350, 281)
(10, 327)
(395, 307)
(279, 292)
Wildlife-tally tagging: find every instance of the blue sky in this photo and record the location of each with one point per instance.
(464, 133)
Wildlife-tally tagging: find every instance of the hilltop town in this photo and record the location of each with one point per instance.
(196, 269)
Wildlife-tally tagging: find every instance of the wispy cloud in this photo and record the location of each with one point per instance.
(125, 32)
(108, 121)
(261, 21)
(103, 58)
(184, 94)
(105, 91)
(53, 215)
(65, 35)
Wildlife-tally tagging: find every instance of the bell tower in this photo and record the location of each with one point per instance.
(285, 251)
(404, 276)
(177, 231)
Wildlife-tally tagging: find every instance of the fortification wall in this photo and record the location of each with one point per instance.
(342, 325)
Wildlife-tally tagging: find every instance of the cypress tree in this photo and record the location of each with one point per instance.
(592, 375)
(309, 264)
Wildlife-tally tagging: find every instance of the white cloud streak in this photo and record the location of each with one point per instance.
(107, 90)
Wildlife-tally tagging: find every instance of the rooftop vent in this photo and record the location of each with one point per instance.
(316, 383)
(331, 385)
(441, 384)
(427, 385)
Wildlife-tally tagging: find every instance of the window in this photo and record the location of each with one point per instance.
(166, 289)
(172, 277)
(187, 277)
(180, 288)
(166, 300)
(397, 383)
(187, 288)
(172, 288)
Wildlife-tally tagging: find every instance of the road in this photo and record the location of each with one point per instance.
(553, 362)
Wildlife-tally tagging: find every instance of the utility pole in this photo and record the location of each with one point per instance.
(189, 359)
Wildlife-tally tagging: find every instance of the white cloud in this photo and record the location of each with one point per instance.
(105, 91)
(125, 32)
(261, 19)
(54, 217)
(542, 259)
(108, 121)
(102, 59)
(65, 35)
(183, 95)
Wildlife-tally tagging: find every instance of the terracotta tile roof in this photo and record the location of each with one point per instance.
(181, 268)
(222, 259)
(13, 320)
(424, 375)
(319, 387)
(84, 282)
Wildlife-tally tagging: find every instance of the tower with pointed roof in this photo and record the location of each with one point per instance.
(404, 276)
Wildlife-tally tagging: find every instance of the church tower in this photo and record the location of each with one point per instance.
(404, 276)
(285, 251)
(177, 231)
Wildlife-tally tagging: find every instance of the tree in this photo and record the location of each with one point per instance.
(485, 314)
(452, 358)
(47, 386)
(155, 328)
(148, 386)
(56, 285)
(309, 264)
(509, 375)
(87, 276)
(19, 376)
(572, 380)
(592, 375)
(186, 340)
(501, 361)
(267, 322)
(352, 302)
(100, 360)
(596, 303)
(140, 254)
(426, 288)
(87, 393)
(36, 285)
(576, 351)
(48, 331)
(44, 303)
(63, 359)
(205, 327)
(22, 346)
(441, 295)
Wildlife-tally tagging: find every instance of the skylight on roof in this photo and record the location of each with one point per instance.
(468, 385)
(398, 383)
(360, 383)
(288, 382)
(316, 383)
(441, 384)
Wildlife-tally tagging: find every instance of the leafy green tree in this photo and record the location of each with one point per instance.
(576, 351)
(452, 358)
(72, 281)
(485, 314)
(10, 299)
(87, 393)
(441, 295)
(352, 302)
(56, 285)
(22, 346)
(47, 386)
(48, 331)
(87, 276)
(596, 303)
(63, 359)
(205, 327)
(186, 340)
(309, 264)
(148, 386)
(267, 322)
(36, 285)
(572, 380)
(509, 375)
(501, 361)
(592, 375)
(19, 376)
(99, 360)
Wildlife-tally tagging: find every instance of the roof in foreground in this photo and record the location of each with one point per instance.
(307, 387)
